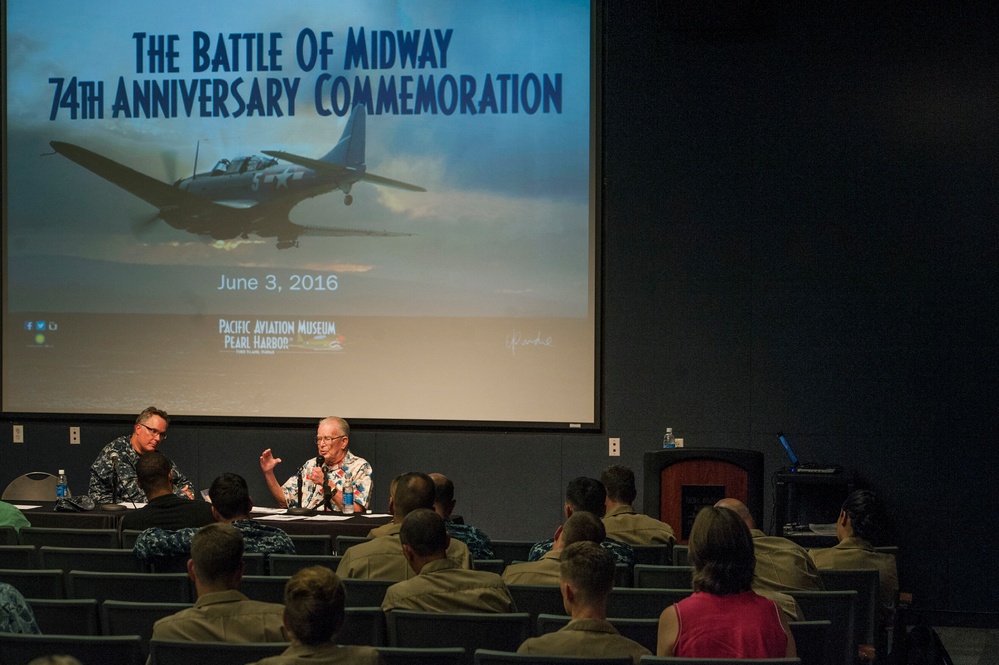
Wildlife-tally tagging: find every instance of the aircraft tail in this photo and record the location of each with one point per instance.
(349, 150)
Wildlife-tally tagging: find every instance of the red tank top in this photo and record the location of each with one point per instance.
(743, 625)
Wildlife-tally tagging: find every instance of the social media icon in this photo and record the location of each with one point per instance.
(29, 325)
(53, 325)
(40, 325)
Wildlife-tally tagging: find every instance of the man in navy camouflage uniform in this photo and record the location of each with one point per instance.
(148, 433)
(231, 503)
(15, 613)
(586, 494)
(444, 502)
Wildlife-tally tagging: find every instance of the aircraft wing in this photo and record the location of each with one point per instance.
(326, 232)
(150, 190)
(320, 166)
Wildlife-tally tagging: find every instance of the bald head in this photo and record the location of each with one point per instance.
(740, 509)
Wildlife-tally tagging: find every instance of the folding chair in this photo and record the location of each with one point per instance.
(138, 587)
(36, 583)
(365, 593)
(120, 617)
(866, 582)
(537, 599)
(59, 616)
(18, 556)
(268, 588)
(471, 631)
(812, 641)
(838, 608)
(364, 626)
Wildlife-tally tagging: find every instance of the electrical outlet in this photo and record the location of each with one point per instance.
(74, 435)
(615, 447)
(18, 433)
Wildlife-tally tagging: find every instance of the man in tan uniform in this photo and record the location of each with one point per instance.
(621, 521)
(546, 570)
(222, 613)
(587, 571)
(441, 585)
(382, 557)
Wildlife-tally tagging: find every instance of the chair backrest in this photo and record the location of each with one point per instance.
(90, 558)
(268, 588)
(642, 603)
(537, 599)
(8, 535)
(364, 626)
(812, 641)
(66, 617)
(680, 557)
(643, 631)
(164, 652)
(41, 536)
(344, 543)
(36, 583)
(121, 650)
(663, 577)
(33, 486)
(312, 543)
(365, 593)
(838, 608)
(121, 617)
(289, 564)
(471, 631)
(128, 537)
(671, 660)
(442, 656)
(490, 565)
(494, 657)
(866, 582)
(18, 556)
(653, 555)
(511, 550)
(137, 587)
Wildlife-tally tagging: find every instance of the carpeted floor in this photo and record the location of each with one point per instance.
(971, 646)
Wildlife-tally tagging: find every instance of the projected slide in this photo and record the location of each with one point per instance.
(382, 210)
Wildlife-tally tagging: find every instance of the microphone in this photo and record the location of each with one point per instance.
(300, 509)
(327, 490)
(114, 505)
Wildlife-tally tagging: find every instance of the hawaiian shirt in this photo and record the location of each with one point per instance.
(157, 544)
(477, 541)
(621, 551)
(312, 493)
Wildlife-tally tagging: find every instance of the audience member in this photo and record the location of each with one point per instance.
(382, 557)
(444, 502)
(164, 508)
(587, 577)
(622, 522)
(231, 503)
(724, 618)
(332, 439)
(581, 526)
(860, 523)
(148, 434)
(441, 585)
(15, 613)
(11, 516)
(221, 613)
(314, 615)
(586, 494)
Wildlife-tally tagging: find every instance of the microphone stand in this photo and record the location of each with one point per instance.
(114, 506)
(300, 509)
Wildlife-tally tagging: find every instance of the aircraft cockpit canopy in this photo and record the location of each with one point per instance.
(242, 165)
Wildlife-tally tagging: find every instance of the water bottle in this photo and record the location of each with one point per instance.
(348, 492)
(62, 486)
(668, 440)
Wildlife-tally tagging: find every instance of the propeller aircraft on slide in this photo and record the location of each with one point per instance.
(250, 195)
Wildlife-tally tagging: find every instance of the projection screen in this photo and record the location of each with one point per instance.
(381, 209)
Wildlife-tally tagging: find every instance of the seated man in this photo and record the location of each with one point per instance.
(15, 613)
(587, 577)
(441, 585)
(444, 502)
(586, 494)
(314, 615)
(221, 613)
(581, 526)
(623, 524)
(231, 503)
(382, 557)
(164, 508)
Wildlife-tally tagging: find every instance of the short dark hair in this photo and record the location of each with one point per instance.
(443, 490)
(149, 412)
(314, 600)
(153, 471)
(590, 569)
(424, 530)
(230, 496)
(721, 550)
(217, 552)
(866, 513)
(583, 525)
(586, 494)
(619, 481)
(413, 490)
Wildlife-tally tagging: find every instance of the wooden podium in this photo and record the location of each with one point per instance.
(680, 481)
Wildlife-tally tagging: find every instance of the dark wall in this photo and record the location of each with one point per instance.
(799, 235)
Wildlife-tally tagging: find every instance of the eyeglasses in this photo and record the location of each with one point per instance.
(155, 432)
(327, 441)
